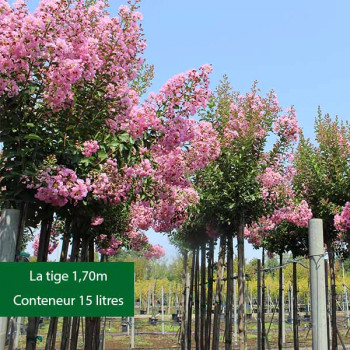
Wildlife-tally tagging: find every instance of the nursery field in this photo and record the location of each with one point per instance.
(117, 333)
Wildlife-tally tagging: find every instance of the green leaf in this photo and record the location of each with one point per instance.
(31, 125)
(85, 161)
(102, 155)
(124, 137)
(33, 137)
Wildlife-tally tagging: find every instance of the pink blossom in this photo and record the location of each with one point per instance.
(90, 147)
(287, 125)
(54, 239)
(96, 221)
(58, 186)
(154, 251)
(108, 245)
(342, 220)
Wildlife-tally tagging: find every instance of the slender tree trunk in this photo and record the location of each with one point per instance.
(241, 287)
(260, 339)
(333, 297)
(51, 334)
(184, 303)
(295, 307)
(190, 303)
(92, 324)
(210, 295)
(218, 295)
(154, 298)
(84, 256)
(203, 296)
(280, 305)
(196, 305)
(43, 250)
(263, 325)
(327, 302)
(81, 231)
(67, 321)
(229, 294)
(148, 298)
(169, 299)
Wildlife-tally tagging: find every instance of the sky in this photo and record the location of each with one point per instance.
(298, 48)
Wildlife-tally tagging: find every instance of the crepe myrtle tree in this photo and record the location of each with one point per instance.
(230, 189)
(283, 231)
(322, 178)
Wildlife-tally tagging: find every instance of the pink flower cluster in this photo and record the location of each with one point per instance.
(298, 215)
(108, 245)
(203, 150)
(59, 185)
(54, 239)
(342, 220)
(141, 215)
(66, 46)
(287, 125)
(96, 221)
(111, 185)
(154, 251)
(137, 240)
(90, 147)
(168, 111)
(277, 182)
(168, 212)
(249, 116)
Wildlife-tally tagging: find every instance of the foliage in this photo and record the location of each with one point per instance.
(323, 171)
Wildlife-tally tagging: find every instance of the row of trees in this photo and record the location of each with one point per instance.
(266, 191)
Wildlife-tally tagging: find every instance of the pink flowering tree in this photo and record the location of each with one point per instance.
(75, 131)
(255, 137)
(322, 179)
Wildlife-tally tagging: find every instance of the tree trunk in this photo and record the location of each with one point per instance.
(203, 296)
(260, 339)
(184, 303)
(210, 295)
(43, 250)
(333, 297)
(263, 325)
(84, 256)
(92, 324)
(327, 302)
(196, 305)
(295, 307)
(241, 288)
(92, 333)
(218, 295)
(280, 305)
(190, 303)
(51, 334)
(67, 321)
(229, 294)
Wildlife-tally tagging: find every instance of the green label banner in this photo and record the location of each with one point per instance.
(67, 289)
